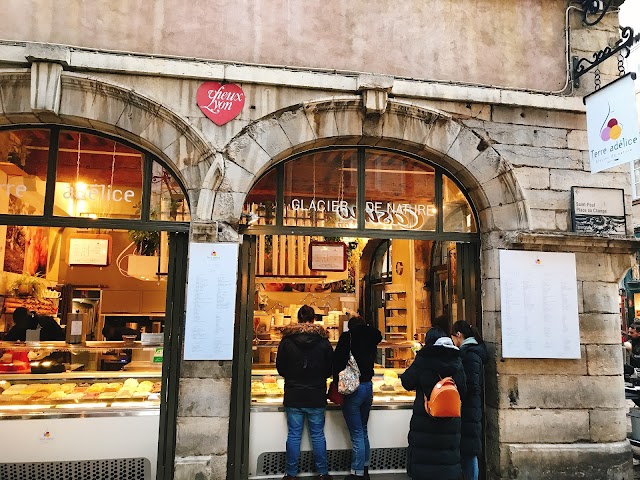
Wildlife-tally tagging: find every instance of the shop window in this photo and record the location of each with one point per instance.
(320, 190)
(97, 178)
(23, 171)
(457, 213)
(260, 205)
(168, 202)
(399, 193)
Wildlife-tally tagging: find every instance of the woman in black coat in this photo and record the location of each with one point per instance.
(474, 356)
(434, 443)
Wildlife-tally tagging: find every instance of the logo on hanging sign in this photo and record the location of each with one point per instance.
(220, 103)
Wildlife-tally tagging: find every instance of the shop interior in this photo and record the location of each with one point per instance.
(82, 308)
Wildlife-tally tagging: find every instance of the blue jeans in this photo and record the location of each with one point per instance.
(295, 424)
(470, 468)
(356, 410)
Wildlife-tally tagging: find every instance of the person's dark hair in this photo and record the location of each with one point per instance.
(355, 321)
(467, 330)
(23, 319)
(306, 314)
(434, 334)
(442, 322)
(635, 325)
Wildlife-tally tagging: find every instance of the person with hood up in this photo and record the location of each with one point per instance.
(362, 341)
(434, 443)
(474, 356)
(304, 360)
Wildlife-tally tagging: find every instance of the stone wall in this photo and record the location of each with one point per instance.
(448, 40)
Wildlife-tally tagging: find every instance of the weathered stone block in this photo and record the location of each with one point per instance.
(548, 199)
(204, 397)
(295, 125)
(490, 295)
(45, 87)
(541, 426)
(564, 180)
(236, 178)
(527, 366)
(542, 219)
(193, 468)
(561, 391)
(532, 177)
(202, 436)
(489, 165)
(608, 425)
(490, 264)
(610, 461)
(540, 117)
(508, 134)
(577, 140)
(206, 369)
(270, 136)
(540, 157)
(604, 359)
(600, 328)
(322, 119)
(600, 297)
(513, 216)
(466, 147)
(227, 206)
(247, 153)
(443, 133)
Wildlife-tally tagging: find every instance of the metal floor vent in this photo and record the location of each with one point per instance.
(273, 463)
(112, 469)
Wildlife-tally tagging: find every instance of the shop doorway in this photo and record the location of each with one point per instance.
(93, 237)
(411, 253)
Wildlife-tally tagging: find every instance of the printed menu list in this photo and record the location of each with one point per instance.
(539, 305)
(211, 296)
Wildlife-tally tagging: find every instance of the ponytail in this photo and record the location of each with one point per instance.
(467, 330)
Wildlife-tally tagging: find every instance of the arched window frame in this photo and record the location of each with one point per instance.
(48, 219)
(439, 234)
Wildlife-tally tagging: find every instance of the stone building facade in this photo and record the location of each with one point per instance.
(517, 148)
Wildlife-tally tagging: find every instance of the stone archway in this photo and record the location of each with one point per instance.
(46, 94)
(429, 133)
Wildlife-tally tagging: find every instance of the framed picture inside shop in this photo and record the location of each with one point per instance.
(598, 211)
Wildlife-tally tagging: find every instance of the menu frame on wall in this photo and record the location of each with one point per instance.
(539, 305)
(211, 301)
(327, 256)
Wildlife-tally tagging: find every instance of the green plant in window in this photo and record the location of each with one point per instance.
(27, 285)
(147, 243)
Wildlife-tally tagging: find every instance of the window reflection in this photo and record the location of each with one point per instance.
(399, 193)
(458, 216)
(23, 171)
(97, 178)
(320, 190)
(168, 202)
(260, 204)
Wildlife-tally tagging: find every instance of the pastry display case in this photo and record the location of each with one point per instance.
(267, 387)
(58, 378)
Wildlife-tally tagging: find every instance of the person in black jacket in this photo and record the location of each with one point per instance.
(474, 356)
(434, 443)
(304, 360)
(362, 341)
(22, 321)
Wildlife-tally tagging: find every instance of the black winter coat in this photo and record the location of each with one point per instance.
(434, 443)
(473, 358)
(364, 342)
(635, 352)
(304, 360)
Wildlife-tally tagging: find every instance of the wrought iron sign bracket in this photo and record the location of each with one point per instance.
(622, 46)
(594, 7)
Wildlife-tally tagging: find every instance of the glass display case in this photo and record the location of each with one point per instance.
(267, 387)
(57, 377)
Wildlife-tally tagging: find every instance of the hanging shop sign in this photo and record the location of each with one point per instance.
(211, 301)
(612, 125)
(220, 103)
(539, 305)
(328, 256)
(598, 211)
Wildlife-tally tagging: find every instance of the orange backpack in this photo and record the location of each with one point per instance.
(444, 401)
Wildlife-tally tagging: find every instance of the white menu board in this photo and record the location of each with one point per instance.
(88, 251)
(539, 305)
(211, 301)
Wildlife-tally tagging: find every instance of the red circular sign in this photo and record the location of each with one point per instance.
(220, 103)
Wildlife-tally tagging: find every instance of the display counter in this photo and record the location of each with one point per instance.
(49, 416)
(388, 420)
